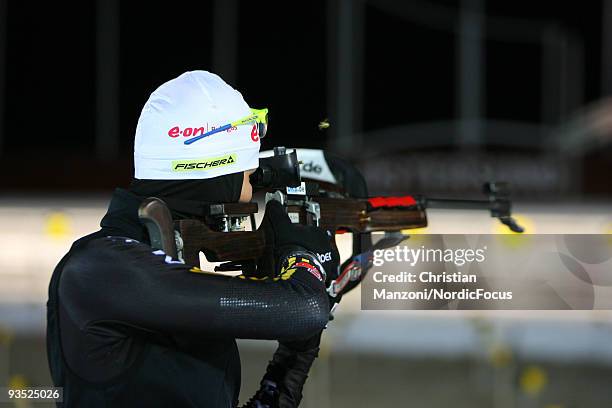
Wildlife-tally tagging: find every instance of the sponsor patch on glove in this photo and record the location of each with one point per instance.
(292, 263)
(310, 268)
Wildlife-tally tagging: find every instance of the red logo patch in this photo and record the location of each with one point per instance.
(255, 133)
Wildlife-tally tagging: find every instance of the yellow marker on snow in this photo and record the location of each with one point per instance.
(417, 236)
(57, 225)
(521, 220)
(17, 381)
(415, 231)
(533, 380)
(514, 239)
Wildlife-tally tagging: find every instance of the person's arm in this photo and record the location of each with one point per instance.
(120, 280)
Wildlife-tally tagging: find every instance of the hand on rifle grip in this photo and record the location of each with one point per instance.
(283, 237)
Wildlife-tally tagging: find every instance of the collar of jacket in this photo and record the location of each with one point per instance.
(121, 218)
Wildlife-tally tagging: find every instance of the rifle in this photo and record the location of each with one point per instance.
(220, 234)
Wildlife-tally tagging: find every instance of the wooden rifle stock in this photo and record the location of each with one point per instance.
(219, 246)
(336, 214)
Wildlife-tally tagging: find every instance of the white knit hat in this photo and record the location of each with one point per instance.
(187, 106)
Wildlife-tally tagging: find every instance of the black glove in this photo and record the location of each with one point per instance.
(284, 238)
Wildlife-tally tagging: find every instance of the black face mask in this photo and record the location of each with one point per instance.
(188, 198)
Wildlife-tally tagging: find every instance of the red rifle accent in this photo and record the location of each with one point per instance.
(405, 201)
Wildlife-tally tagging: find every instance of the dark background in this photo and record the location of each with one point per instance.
(61, 92)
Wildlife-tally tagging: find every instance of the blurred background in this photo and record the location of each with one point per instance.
(431, 97)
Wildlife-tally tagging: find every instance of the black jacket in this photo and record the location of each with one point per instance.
(129, 327)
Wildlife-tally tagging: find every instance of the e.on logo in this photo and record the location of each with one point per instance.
(176, 131)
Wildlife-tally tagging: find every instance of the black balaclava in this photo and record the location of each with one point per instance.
(187, 198)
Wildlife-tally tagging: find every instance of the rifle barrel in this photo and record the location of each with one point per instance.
(458, 204)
